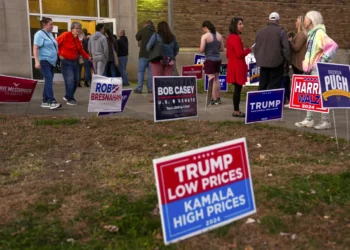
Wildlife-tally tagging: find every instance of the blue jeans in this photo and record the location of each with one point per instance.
(70, 72)
(47, 70)
(123, 61)
(143, 64)
(110, 71)
(87, 70)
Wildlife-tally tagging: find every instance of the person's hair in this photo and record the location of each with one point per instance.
(75, 24)
(301, 23)
(109, 35)
(315, 17)
(84, 31)
(45, 20)
(210, 26)
(115, 36)
(99, 26)
(233, 25)
(165, 32)
(123, 32)
(88, 34)
(149, 22)
(291, 34)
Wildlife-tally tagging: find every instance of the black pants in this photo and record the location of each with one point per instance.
(297, 71)
(271, 78)
(237, 96)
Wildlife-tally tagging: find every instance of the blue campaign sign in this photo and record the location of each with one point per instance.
(203, 189)
(125, 93)
(264, 105)
(335, 85)
(199, 59)
(223, 83)
(254, 73)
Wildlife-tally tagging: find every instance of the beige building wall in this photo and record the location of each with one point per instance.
(14, 38)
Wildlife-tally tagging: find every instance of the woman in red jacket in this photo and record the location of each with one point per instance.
(236, 67)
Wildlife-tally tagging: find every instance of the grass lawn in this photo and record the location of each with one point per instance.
(88, 183)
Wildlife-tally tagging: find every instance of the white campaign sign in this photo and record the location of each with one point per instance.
(105, 94)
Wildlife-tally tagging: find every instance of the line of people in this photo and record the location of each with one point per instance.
(75, 49)
(274, 50)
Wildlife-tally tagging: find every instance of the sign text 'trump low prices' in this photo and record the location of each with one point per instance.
(203, 189)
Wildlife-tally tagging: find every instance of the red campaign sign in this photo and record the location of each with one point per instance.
(202, 170)
(16, 89)
(306, 94)
(194, 70)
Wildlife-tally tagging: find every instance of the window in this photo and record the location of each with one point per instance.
(34, 6)
(70, 8)
(104, 8)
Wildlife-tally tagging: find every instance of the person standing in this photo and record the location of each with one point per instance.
(143, 36)
(212, 43)
(87, 63)
(320, 48)
(112, 63)
(236, 66)
(298, 46)
(170, 49)
(45, 51)
(98, 48)
(271, 53)
(123, 52)
(69, 50)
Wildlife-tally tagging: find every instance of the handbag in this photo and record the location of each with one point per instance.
(115, 57)
(156, 52)
(58, 66)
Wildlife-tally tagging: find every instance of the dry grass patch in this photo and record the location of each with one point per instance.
(64, 179)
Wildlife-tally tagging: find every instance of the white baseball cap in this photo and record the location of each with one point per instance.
(274, 16)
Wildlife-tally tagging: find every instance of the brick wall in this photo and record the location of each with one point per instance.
(155, 10)
(190, 14)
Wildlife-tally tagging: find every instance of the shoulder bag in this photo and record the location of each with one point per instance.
(156, 52)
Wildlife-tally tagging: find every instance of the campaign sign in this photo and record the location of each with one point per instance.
(16, 89)
(199, 59)
(126, 94)
(306, 93)
(193, 70)
(254, 73)
(105, 94)
(175, 97)
(335, 85)
(223, 69)
(223, 83)
(264, 105)
(203, 189)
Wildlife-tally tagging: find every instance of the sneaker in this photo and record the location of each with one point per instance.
(55, 105)
(323, 125)
(136, 91)
(72, 103)
(45, 105)
(65, 99)
(86, 84)
(214, 102)
(286, 105)
(126, 84)
(306, 123)
(218, 101)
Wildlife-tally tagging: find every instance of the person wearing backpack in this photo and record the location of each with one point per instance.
(320, 48)
(45, 53)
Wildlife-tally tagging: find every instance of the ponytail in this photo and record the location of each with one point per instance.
(210, 26)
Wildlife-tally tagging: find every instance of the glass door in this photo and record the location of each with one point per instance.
(110, 23)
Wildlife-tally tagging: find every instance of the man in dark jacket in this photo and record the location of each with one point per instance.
(271, 52)
(143, 37)
(123, 52)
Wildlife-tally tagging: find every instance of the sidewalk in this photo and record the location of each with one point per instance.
(139, 107)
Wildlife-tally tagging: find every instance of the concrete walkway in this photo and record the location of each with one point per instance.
(139, 107)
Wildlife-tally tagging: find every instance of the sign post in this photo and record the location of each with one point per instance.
(203, 189)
